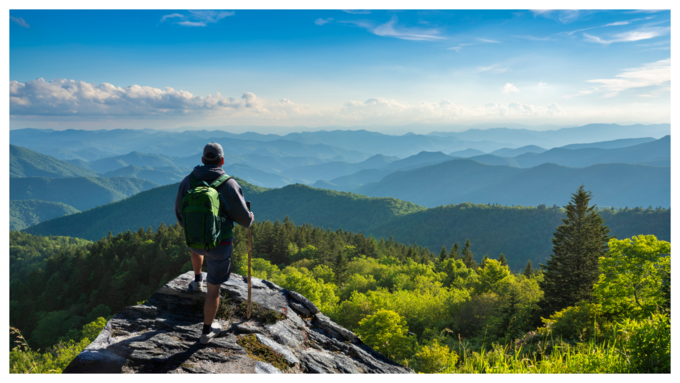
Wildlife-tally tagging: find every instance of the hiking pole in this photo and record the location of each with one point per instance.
(250, 286)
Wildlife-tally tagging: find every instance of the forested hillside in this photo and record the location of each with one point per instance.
(80, 192)
(521, 233)
(27, 163)
(433, 312)
(25, 213)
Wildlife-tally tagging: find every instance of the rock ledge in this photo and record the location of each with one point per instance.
(162, 335)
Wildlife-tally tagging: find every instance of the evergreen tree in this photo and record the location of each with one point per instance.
(483, 262)
(573, 269)
(528, 269)
(340, 268)
(454, 254)
(442, 254)
(468, 257)
(502, 260)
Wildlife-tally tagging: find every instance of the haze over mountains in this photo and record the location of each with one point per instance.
(85, 169)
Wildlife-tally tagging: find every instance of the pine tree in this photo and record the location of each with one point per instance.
(340, 268)
(454, 254)
(528, 269)
(502, 260)
(483, 262)
(442, 254)
(573, 269)
(468, 257)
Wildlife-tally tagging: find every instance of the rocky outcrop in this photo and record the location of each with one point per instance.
(286, 334)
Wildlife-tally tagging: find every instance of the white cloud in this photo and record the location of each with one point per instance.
(541, 84)
(617, 24)
(172, 16)
(391, 29)
(493, 68)
(198, 18)
(78, 98)
(533, 38)
(509, 88)
(564, 16)
(652, 74)
(580, 93)
(487, 40)
(630, 36)
(20, 21)
(356, 11)
(458, 47)
(393, 110)
(321, 21)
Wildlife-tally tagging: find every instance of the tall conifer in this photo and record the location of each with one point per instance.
(528, 269)
(502, 260)
(454, 254)
(468, 257)
(572, 269)
(340, 268)
(483, 262)
(442, 254)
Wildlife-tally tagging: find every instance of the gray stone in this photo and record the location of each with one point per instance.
(283, 350)
(266, 368)
(304, 301)
(327, 324)
(162, 335)
(299, 307)
(285, 334)
(249, 328)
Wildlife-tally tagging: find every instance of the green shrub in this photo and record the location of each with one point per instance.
(647, 343)
(578, 322)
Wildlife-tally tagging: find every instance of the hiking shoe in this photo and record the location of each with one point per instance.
(215, 330)
(196, 286)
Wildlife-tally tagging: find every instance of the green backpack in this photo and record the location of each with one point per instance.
(203, 226)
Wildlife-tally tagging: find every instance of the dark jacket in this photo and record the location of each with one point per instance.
(232, 203)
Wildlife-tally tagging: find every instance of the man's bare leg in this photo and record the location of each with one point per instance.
(212, 302)
(196, 262)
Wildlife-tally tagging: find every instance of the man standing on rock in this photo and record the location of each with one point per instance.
(233, 208)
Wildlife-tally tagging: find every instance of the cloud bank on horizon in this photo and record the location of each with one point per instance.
(322, 68)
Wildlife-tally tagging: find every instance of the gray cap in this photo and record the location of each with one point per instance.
(212, 151)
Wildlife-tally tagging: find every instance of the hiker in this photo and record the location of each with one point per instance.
(232, 209)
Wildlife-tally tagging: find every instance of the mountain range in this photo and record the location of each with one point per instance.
(81, 193)
(522, 233)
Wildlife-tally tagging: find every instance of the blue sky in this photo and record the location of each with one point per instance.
(315, 68)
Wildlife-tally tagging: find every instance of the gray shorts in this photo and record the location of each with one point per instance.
(218, 261)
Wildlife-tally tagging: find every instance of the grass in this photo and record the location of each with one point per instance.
(259, 351)
(227, 311)
(582, 358)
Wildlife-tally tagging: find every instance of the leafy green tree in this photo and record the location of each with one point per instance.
(386, 332)
(632, 276)
(572, 269)
(91, 330)
(494, 277)
(320, 293)
(434, 358)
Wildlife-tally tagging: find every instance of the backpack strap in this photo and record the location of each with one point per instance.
(220, 181)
